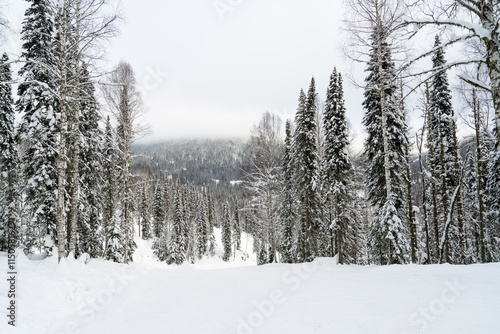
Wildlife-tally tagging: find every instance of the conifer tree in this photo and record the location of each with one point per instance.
(287, 212)
(338, 176)
(115, 250)
(201, 227)
(161, 246)
(178, 246)
(38, 129)
(113, 238)
(91, 171)
(212, 243)
(167, 189)
(9, 227)
(307, 172)
(158, 211)
(145, 212)
(443, 144)
(262, 257)
(236, 228)
(384, 152)
(226, 232)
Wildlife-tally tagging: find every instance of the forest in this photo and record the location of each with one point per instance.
(73, 180)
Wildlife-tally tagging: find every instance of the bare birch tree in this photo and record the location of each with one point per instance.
(125, 103)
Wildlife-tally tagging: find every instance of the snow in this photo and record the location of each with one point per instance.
(235, 182)
(97, 296)
(477, 28)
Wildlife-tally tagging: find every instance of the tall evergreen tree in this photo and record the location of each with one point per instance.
(113, 238)
(212, 243)
(307, 172)
(91, 171)
(385, 152)
(443, 144)
(145, 211)
(226, 232)
(287, 212)
(178, 246)
(161, 246)
(338, 175)
(39, 126)
(9, 227)
(201, 227)
(236, 228)
(158, 211)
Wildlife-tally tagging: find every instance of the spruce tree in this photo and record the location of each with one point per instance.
(287, 212)
(113, 238)
(178, 241)
(161, 246)
(91, 171)
(236, 228)
(262, 254)
(39, 126)
(307, 172)
(158, 211)
(115, 250)
(338, 176)
(145, 212)
(201, 227)
(226, 232)
(443, 144)
(9, 227)
(212, 243)
(385, 152)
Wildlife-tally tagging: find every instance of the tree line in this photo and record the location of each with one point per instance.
(310, 199)
(63, 175)
(69, 185)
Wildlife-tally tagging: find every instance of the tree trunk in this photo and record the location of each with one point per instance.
(61, 163)
(411, 213)
(307, 224)
(490, 23)
(75, 164)
(479, 175)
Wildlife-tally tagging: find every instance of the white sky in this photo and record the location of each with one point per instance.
(208, 72)
(226, 68)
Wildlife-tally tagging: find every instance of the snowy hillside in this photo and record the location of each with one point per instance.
(239, 297)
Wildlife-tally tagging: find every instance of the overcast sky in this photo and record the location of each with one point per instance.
(211, 68)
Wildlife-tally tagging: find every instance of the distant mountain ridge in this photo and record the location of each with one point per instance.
(197, 161)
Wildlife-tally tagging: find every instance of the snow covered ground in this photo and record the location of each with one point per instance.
(239, 297)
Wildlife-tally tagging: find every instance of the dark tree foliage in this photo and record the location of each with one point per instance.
(9, 226)
(385, 152)
(38, 130)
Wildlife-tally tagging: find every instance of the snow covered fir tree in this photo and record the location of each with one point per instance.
(385, 152)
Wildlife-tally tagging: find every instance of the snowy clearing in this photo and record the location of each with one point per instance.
(239, 297)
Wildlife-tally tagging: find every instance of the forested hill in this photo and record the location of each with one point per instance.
(198, 161)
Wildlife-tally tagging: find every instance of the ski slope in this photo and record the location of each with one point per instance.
(239, 297)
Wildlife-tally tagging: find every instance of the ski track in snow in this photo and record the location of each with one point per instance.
(239, 297)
